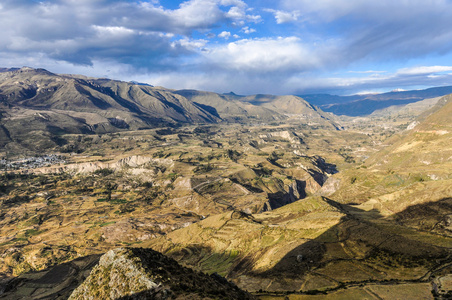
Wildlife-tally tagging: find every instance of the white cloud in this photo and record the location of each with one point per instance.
(254, 18)
(197, 14)
(236, 13)
(142, 33)
(225, 35)
(112, 31)
(284, 16)
(264, 55)
(190, 43)
(237, 3)
(424, 70)
(248, 30)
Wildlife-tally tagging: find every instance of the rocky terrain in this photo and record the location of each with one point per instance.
(285, 201)
(122, 273)
(137, 273)
(389, 221)
(37, 107)
(57, 282)
(148, 192)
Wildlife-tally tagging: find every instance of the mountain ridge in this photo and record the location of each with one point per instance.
(38, 107)
(360, 105)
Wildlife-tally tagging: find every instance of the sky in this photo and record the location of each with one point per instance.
(247, 47)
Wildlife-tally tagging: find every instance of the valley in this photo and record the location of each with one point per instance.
(270, 192)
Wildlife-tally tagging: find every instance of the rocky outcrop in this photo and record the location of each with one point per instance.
(310, 177)
(137, 273)
(330, 186)
(136, 163)
(292, 137)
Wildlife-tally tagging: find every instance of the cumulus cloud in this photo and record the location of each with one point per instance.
(236, 13)
(238, 3)
(317, 38)
(140, 33)
(263, 55)
(248, 30)
(196, 14)
(189, 44)
(284, 16)
(225, 35)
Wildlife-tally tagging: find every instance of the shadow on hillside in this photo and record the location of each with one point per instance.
(375, 243)
(56, 282)
(205, 290)
(381, 244)
(432, 216)
(295, 264)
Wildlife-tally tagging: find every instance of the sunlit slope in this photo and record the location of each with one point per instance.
(414, 169)
(427, 146)
(389, 221)
(258, 108)
(312, 244)
(232, 110)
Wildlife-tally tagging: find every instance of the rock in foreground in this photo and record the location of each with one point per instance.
(138, 273)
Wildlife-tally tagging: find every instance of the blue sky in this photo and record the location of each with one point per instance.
(277, 47)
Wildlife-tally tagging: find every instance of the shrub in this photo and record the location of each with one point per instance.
(104, 171)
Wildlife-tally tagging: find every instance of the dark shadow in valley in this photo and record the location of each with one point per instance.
(384, 245)
(377, 244)
(59, 280)
(431, 217)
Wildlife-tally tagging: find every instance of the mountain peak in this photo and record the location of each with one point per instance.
(29, 70)
(26, 69)
(131, 273)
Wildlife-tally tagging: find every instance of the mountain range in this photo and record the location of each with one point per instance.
(261, 193)
(389, 221)
(365, 104)
(37, 107)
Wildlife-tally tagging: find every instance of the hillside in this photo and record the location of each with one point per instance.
(122, 273)
(425, 145)
(413, 169)
(37, 107)
(229, 109)
(266, 108)
(314, 245)
(263, 190)
(386, 224)
(294, 107)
